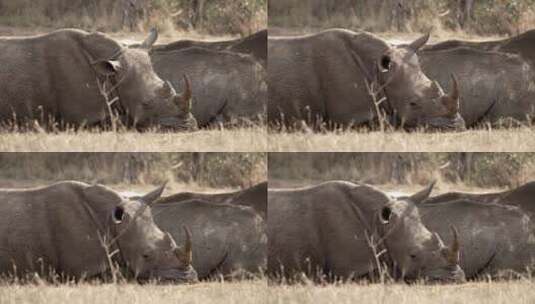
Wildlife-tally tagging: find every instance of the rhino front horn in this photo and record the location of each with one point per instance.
(186, 254)
(183, 101)
(452, 102)
(455, 247)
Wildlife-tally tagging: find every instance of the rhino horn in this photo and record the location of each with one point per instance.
(454, 95)
(451, 101)
(423, 194)
(183, 101)
(185, 254)
(152, 196)
(455, 247)
(418, 43)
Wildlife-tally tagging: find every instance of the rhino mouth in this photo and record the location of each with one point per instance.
(170, 276)
(178, 124)
(449, 275)
(456, 123)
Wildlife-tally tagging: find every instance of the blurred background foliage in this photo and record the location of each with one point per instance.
(471, 169)
(235, 170)
(205, 16)
(482, 17)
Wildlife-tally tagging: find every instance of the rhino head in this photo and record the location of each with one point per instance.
(148, 252)
(417, 252)
(413, 97)
(147, 100)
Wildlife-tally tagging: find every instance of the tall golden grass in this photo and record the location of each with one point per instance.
(227, 140)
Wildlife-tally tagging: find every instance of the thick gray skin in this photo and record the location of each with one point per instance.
(53, 77)
(228, 240)
(523, 45)
(228, 87)
(254, 45)
(56, 228)
(495, 240)
(522, 197)
(254, 197)
(494, 86)
(318, 231)
(318, 77)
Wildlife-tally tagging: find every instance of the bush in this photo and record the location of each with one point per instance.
(489, 16)
(215, 17)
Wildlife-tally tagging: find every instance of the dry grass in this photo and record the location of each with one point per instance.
(502, 140)
(202, 293)
(258, 292)
(505, 292)
(234, 140)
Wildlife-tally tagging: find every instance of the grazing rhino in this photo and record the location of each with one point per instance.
(494, 87)
(496, 240)
(328, 229)
(228, 240)
(323, 77)
(60, 229)
(254, 45)
(254, 197)
(68, 77)
(229, 87)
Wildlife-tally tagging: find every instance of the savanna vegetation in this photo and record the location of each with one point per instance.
(200, 170)
(482, 170)
(208, 16)
(483, 17)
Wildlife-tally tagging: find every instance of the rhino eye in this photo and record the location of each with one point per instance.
(386, 63)
(386, 214)
(118, 215)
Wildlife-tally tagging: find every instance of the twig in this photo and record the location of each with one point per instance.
(109, 256)
(105, 94)
(370, 87)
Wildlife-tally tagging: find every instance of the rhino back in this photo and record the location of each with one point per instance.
(48, 228)
(329, 238)
(48, 76)
(316, 76)
(225, 85)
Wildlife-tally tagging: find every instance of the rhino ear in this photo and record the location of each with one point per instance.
(100, 194)
(418, 43)
(152, 196)
(151, 39)
(107, 67)
(423, 194)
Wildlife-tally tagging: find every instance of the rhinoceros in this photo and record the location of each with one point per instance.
(75, 78)
(336, 229)
(254, 197)
(228, 240)
(63, 229)
(496, 240)
(494, 87)
(330, 77)
(230, 88)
